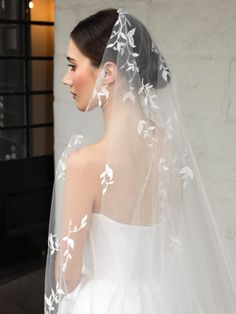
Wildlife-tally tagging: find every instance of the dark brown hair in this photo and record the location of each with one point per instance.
(92, 34)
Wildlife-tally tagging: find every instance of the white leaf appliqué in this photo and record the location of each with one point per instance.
(187, 174)
(75, 140)
(70, 242)
(145, 131)
(53, 299)
(169, 129)
(163, 67)
(122, 41)
(53, 240)
(175, 242)
(147, 90)
(162, 165)
(53, 243)
(140, 126)
(106, 177)
(129, 95)
(60, 171)
(61, 167)
(104, 92)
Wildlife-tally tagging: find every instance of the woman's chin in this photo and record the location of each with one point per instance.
(78, 106)
(84, 106)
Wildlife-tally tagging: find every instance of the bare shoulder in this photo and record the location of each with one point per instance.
(87, 159)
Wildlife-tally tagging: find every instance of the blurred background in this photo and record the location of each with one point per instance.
(38, 116)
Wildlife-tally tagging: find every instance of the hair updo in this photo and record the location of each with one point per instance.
(92, 34)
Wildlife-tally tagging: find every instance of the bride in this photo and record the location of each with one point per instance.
(131, 227)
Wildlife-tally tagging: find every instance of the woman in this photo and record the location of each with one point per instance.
(131, 228)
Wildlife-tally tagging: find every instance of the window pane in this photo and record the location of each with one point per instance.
(41, 73)
(41, 109)
(42, 40)
(41, 140)
(11, 76)
(12, 35)
(12, 110)
(11, 9)
(12, 144)
(43, 10)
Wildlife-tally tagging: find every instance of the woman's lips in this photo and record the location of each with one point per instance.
(74, 95)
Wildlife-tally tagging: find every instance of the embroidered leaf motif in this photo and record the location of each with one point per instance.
(146, 132)
(83, 223)
(69, 241)
(169, 129)
(110, 46)
(130, 37)
(147, 90)
(175, 242)
(75, 139)
(60, 171)
(53, 243)
(129, 95)
(61, 168)
(162, 165)
(106, 177)
(140, 126)
(123, 41)
(104, 92)
(52, 299)
(164, 68)
(187, 174)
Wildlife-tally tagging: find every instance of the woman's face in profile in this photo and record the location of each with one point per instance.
(80, 76)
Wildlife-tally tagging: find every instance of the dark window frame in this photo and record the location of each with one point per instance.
(27, 57)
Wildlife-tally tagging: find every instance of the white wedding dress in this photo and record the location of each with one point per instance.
(103, 288)
(106, 285)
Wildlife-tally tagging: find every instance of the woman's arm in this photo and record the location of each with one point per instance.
(78, 201)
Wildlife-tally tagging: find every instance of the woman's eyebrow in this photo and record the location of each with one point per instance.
(70, 59)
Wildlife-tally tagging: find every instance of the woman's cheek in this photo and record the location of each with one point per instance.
(81, 86)
(77, 83)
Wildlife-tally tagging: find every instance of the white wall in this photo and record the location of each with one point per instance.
(198, 40)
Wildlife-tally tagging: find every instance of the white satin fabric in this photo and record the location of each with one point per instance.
(102, 288)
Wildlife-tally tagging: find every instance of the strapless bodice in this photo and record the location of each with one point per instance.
(118, 251)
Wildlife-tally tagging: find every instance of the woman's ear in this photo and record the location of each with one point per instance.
(110, 72)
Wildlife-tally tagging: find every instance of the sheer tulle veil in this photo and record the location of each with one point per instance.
(150, 179)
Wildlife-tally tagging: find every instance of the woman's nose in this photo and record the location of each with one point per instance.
(66, 79)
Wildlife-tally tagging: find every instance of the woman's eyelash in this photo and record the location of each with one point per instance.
(71, 66)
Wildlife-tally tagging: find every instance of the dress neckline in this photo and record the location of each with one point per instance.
(115, 222)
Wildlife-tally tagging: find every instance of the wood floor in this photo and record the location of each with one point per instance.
(23, 295)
